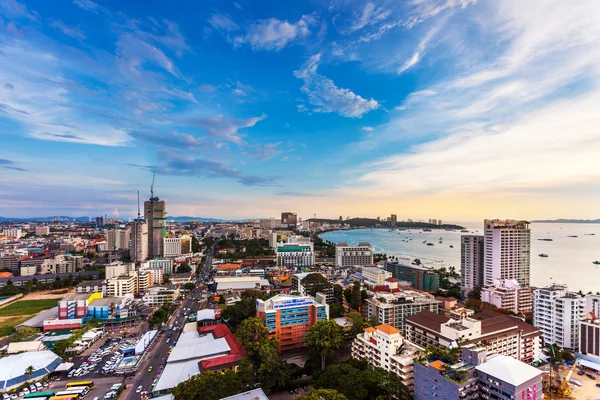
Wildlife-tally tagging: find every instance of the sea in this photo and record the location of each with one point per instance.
(570, 259)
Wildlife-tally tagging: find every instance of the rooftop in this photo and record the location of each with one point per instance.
(508, 369)
(387, 329)
(254, 394)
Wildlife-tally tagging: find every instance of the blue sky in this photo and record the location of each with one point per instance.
(447, 109)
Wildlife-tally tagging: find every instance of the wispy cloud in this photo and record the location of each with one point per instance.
(89, 5)
(275, 34)
(71, 31)
(175, 163)
(422, 46)
(371, 14)
(327, 97)
(9, 164)
(224, 128)
(14, 9)
(223, 22)
(299, 194)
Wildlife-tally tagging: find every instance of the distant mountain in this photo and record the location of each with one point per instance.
(372, 222)
(570, 221)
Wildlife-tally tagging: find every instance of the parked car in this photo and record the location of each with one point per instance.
(590, 376)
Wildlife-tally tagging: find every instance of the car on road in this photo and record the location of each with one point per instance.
(150, 368)
(139, 389)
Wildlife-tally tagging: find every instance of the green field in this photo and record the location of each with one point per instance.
(27, 307)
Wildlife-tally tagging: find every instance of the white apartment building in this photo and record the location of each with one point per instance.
(295, 255)
(373, 276)
(28, 270)
(471, 262)
(122, 285)
(557, 313)
(60, 264)
(118, 268)
(13, 233)
(157, 274)
(353, 256)
(158, 295)
(118, 239)
(509, 295)
(384, 346)
(592, 304)
(42, 230)
(165, 265)
(172, 247)
(507, 251)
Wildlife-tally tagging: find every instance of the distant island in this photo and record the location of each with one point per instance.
(374, 223)
(569, 221)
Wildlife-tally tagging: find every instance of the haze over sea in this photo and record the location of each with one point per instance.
(569, 261)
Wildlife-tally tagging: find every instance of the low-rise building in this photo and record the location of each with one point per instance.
(159, 295)
(478, 375)
(165, 265)
(172, 246)
(589, 337)
(509, 295)
(383, 346)
(419, 276)
(42, 230)
(122, 285)
(373, 276)
(451, 308)
(354, 256)
(232, 284)
(118, 268)
(289, 317)
(394, 308)
(92, 286)
(496, 332)
(306, 289)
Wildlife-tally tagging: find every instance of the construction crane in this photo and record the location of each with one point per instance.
(152, 186)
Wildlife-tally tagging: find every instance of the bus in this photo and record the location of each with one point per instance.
(38, 394)
(66, 397)
(81, 391)
(87, 384)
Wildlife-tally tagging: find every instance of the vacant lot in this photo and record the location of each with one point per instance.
(27, 307)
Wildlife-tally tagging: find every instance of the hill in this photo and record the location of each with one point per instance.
(372, 222)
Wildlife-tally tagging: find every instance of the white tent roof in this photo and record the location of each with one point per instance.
(207, 313)
(589, 364)
(201, 350)
(17, 347)
(14, 366)
(508, 369)
(64, 367)
(254, 394)
(175, 373)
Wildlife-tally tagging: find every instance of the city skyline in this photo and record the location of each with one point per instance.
(461, 110)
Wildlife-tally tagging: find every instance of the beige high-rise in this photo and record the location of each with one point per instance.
(155, 213)
(138, 245)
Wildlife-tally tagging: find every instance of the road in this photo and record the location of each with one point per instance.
(157, 355)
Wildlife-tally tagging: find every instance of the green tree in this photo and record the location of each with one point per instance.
(358, 323)
(323, 394)
(29, 371)
(338, 292)
(209, 386)
(416, 261)
(246, 373)
(336, 310)
(222, 299)
(24, 334)
(189, 286)
(245, 308)
(373, 321)
(316, 282)
(251, 334)
(184, 268)
(273, 373)
(475, 293)
(356, 299)
(323, 338)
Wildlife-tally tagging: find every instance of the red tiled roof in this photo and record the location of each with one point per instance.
(390, 279)
(236, 352)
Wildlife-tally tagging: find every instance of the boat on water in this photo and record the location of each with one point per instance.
(546, 239)
(451, 246)
(596, 262)
(591, 234)
(426, 230)
(430, 244)
(465, 231)
(543, 255)
(572, 236)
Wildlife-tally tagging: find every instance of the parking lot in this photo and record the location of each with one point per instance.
(588, 389)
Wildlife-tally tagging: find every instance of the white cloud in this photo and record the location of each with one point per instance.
(523, 121)
(14, 9)
(222, 22)
(224, 128)
(368, 128)
(88, 5)
(71, 31)
(327, 97)
(421, 48)
(370, 15)
(275, 34)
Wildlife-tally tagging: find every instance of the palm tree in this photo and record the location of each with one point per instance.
(29, 371)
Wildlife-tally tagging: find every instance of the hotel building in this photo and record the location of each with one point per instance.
(353, 256)
(471, 262)
(373, 276)
(288, 317)
(295, 255)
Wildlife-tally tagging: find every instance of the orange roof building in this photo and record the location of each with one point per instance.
(6, 275)
(228, 267)
(388, 329)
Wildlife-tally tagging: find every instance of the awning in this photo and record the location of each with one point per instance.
(589, 364)
(64, 367)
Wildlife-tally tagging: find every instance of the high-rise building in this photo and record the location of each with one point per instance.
(118, 239)
(295, 255)
(353, 256)
(471, 262)
(172, 247)
(138, 245)
(289, 219)
(99, 221)
(42, 230)
(507, 251)
(557, 313)
(393, 220)
(589, 337)
(155, 214)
